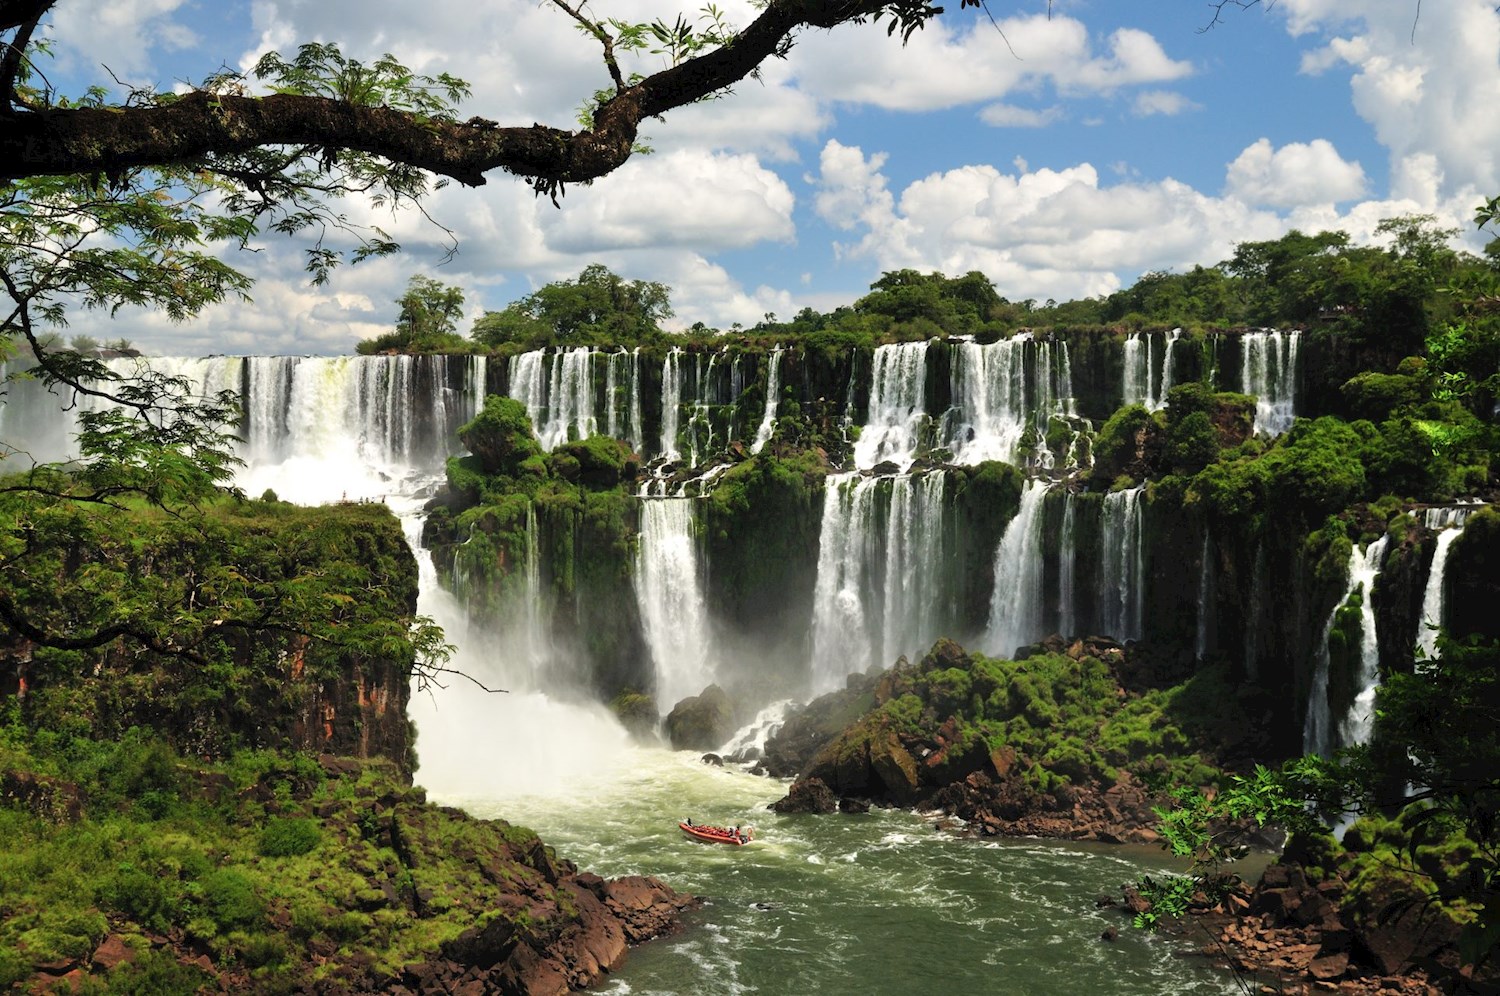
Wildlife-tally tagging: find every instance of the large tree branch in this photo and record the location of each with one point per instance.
(201, 125)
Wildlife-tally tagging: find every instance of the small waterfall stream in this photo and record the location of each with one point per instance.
(1448, 523)
(898, 396)
(1017, 601)
(1268, 370)
(1318, 731)
(773, 400)
(1122, 576)
(669, 591)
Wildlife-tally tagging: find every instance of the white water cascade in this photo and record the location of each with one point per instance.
(879, 591)
(1142, 385)
(669, 592)
(560, 401)
(1067, 564)
(898, 396)
(1360, 720)
(1017, 600)
(1268, 370)
(773, 400)
(671, 403)
(1317, 727)
(1448, 523)
(1206, 598)
(1000, 390)
(623, 420)
(1122, 572)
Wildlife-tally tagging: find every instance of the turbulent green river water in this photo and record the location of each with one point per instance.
(882, 903)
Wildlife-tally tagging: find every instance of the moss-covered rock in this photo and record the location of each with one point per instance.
(701, 722)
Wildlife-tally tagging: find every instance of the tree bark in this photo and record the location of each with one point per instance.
(200, 125)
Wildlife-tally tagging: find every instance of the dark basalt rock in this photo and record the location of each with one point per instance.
(701, 722)
(809, 795)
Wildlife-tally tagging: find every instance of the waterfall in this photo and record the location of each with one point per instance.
(1141, 384)
(1448, 523)
(561, 405)
(1166, 369)
(1122, 574)
(1067, 562)
(537, 622)
(699, 421)
(989, 413)
(366, 422)
(613, 424)
(773, 400)
(879, 590)
(1016, 602)
(1358, 723)
(671, 401)
(1206, 597)
(913, 567)
(1137, 371)
(1268, 370)
(669, 591)
(637, 426)
(1255, 610)
(898, 395)
(1317, 730)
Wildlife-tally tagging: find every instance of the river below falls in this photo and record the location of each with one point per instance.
(879, 903)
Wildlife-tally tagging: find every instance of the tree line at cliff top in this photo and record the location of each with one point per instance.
(1414, 294)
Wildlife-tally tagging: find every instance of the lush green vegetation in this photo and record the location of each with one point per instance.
(427, 322)
(286, 873)
(1067, 719)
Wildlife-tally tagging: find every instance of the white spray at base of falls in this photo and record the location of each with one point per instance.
(523, 741)
(879, 588)
(669, 592)
(898, 397)
(1268, 370)
(773, 400)
(1122, 573)
(1449, 524)
(1017, 600)
(1317, 728)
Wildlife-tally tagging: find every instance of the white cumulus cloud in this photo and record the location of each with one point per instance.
(1295, 175)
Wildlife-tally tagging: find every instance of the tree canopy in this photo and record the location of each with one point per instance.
(599, 306)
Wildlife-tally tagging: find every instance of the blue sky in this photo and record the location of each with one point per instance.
(1062, 160)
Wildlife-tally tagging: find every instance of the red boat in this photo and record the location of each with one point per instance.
(736, 836)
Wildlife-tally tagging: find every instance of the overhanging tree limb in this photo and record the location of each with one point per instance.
(202, 124)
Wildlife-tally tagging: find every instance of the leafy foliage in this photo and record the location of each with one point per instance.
(598, 307)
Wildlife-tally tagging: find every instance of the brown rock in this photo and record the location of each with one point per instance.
(111, 952)
(1329, 966)
(896, 769)
(808, 795)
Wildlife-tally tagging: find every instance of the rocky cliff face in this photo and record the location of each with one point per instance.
(341, 689)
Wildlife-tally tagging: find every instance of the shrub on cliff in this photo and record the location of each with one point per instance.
(501, 435)
(1062, 719)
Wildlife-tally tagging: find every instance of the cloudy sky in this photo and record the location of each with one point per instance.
(1061, 156)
